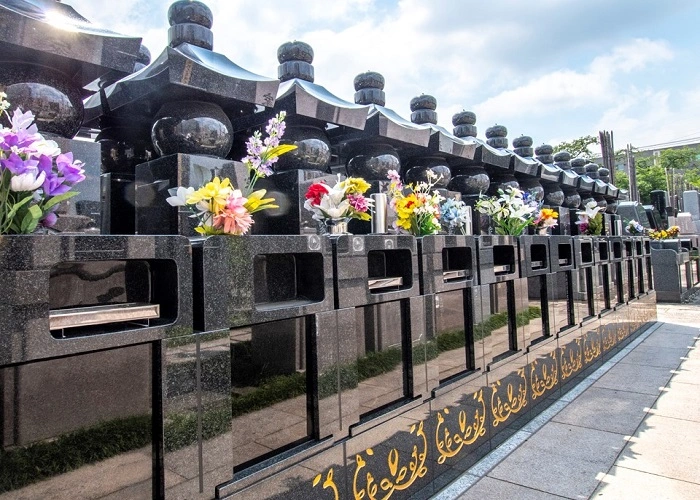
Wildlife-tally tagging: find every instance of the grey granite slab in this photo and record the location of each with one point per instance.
(441, 256)
(375, 257)
(498, 259)
(253, 279)
(61, 271)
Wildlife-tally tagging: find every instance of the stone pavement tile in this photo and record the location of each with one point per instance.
(679, 400)
(666, 447)
(626, 483)
(665, 357)
(607, 410)
(495, 489)
(666, 338)
(634, 378)
(688, 372)
(562, 460)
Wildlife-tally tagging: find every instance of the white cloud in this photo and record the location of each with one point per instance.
(567, 90)
(535, 70)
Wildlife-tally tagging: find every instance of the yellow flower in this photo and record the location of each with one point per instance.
(208, 230)
(256, 202)
(548, 213)
(406, 206)
(215, 193)
(404, 223)
(354, 185)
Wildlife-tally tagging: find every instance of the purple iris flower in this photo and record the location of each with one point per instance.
(17, 165)
(55, 185)
(71, 170)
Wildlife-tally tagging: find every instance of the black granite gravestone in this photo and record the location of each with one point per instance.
(311, 110)
(185, 101)
(51, 55)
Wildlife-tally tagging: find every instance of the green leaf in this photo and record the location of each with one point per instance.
(31, 219)
(13, 211)
(58, 199)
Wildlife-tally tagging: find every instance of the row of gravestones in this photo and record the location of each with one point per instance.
(192, 100)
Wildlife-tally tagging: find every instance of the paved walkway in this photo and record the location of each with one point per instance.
(630, 430)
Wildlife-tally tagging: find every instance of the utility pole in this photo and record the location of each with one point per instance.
(632, 172)
(607, 150)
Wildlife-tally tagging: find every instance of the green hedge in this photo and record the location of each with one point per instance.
(25, 465)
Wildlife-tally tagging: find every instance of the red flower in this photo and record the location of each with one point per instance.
(316, 192)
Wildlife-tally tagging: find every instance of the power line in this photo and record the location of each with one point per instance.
(679, 142)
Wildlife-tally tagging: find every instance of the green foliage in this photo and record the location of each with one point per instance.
(26, 465)
(595, 224)
(578, 147)
(180, 429)
(652, 171)
(272, 390)
(622, 180)
(649, 178)
(679, 159)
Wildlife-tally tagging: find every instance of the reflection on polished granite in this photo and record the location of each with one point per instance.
(97, 441)
(269, 386)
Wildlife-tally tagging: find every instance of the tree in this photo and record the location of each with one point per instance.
(622, 180)
(578, 147)
(649, 178)
(679, 159)
(680, 166)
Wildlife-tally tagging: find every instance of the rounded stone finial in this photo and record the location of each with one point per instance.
(190, 22)
(369, 87)
(544, 154)
(423, 109)
(544, 149)
(524, 141)
(562, 156)
(190, 11)
(464, 124)
(295, 60)
(369, 80)
(592, 170)
(496, 137)
(578, 165)
(522, 146)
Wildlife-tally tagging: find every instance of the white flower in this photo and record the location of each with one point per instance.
(46, 147)
(28, 181)
(179, 196)
(22, 121)
(590, 210)
(333, 209)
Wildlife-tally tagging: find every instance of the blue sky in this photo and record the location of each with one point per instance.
(551, 69)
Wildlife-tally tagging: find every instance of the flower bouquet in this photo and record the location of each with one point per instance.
(417, 209)
(590, 220)
(634, 228)
(34, 175)
(547, 218)
(335, 206)
(454, 216)
(665, 234)
(219, 207)
(511, 211)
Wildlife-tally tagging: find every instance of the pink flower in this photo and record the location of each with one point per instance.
(393, 175)
(358, 202)
(235, 218)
